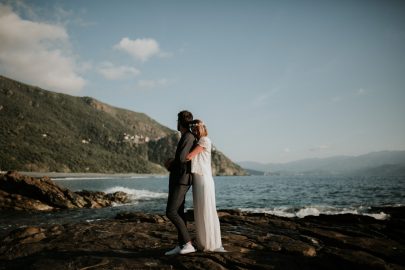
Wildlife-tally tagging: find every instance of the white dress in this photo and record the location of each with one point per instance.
(205, 213)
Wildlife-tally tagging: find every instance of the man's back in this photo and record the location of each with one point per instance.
(180, 169)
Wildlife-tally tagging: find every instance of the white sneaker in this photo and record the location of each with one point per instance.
(187, 248)
(174, 251)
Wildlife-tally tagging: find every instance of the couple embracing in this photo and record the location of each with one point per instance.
(192, 166)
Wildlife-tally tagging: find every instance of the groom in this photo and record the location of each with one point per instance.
(180, 179)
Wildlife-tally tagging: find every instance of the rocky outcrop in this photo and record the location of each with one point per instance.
(19, 192)
(221, 165)
(252, 241)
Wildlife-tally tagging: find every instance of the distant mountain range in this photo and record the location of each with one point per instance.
(46, 131)
(376, 163)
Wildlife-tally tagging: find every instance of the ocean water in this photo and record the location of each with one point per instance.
(292, 196)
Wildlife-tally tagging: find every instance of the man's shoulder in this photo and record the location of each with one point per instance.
(188, 136)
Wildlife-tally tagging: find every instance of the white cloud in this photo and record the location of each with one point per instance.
(287, 150)
(149, 84)
(112, 72)
(141, 49)
(37, 53)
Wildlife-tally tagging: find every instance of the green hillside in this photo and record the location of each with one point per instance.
(47, 131)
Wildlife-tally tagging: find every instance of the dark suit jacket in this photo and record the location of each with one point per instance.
(180, 169)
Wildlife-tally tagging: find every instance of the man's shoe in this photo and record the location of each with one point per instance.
(174, 251)
(187, 248)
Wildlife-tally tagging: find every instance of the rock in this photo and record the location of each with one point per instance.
(25, 236)
(118, 197)
(19, 192)
(136, 240)
(19, 202)
(141, 217)
(42, 189)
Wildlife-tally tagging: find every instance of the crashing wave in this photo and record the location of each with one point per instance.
(137, 194)
(315, 211)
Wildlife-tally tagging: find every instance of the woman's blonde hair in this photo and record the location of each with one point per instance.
(198, 128)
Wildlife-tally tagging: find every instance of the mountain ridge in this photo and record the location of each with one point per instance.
(391, 162)
(44, 131)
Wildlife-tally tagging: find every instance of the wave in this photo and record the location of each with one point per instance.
(316, 211)
(137, 194)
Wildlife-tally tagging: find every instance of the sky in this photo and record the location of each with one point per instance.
(274, 81)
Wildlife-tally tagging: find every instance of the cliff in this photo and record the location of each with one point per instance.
(47, 131)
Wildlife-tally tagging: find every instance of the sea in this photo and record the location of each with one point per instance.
(286, 196)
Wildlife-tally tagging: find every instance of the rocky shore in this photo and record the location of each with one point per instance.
(21, 192)
(253, 241)
(135, 240)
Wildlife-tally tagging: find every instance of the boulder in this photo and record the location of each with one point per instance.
(19, 192)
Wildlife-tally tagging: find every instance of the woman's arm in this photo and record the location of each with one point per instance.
(198, 149)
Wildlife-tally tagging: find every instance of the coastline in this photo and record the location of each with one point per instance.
(60, 175)
(138, 240)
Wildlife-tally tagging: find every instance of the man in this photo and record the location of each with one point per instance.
(180, 180)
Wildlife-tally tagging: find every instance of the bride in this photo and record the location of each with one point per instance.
(205, 213)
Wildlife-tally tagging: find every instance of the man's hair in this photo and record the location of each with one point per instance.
(184, 118)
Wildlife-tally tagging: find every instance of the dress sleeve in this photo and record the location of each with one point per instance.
(205, 142)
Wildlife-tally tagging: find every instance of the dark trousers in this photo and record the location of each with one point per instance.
(175, 211)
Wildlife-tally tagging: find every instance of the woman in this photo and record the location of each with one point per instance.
(205, 213)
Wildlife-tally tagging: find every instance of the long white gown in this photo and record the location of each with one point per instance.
(205, 213)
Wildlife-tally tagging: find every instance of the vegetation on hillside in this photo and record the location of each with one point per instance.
(46, 131)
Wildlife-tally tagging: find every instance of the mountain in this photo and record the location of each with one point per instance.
(254, 172)
(47, 131)
(375, 163)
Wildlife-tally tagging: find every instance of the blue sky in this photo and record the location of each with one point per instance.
(275, 81)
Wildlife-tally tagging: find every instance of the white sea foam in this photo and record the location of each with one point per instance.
(380, 216)
(279, 211)
(92, 220)
(137, 194)
(308, 211)
(314, 211)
